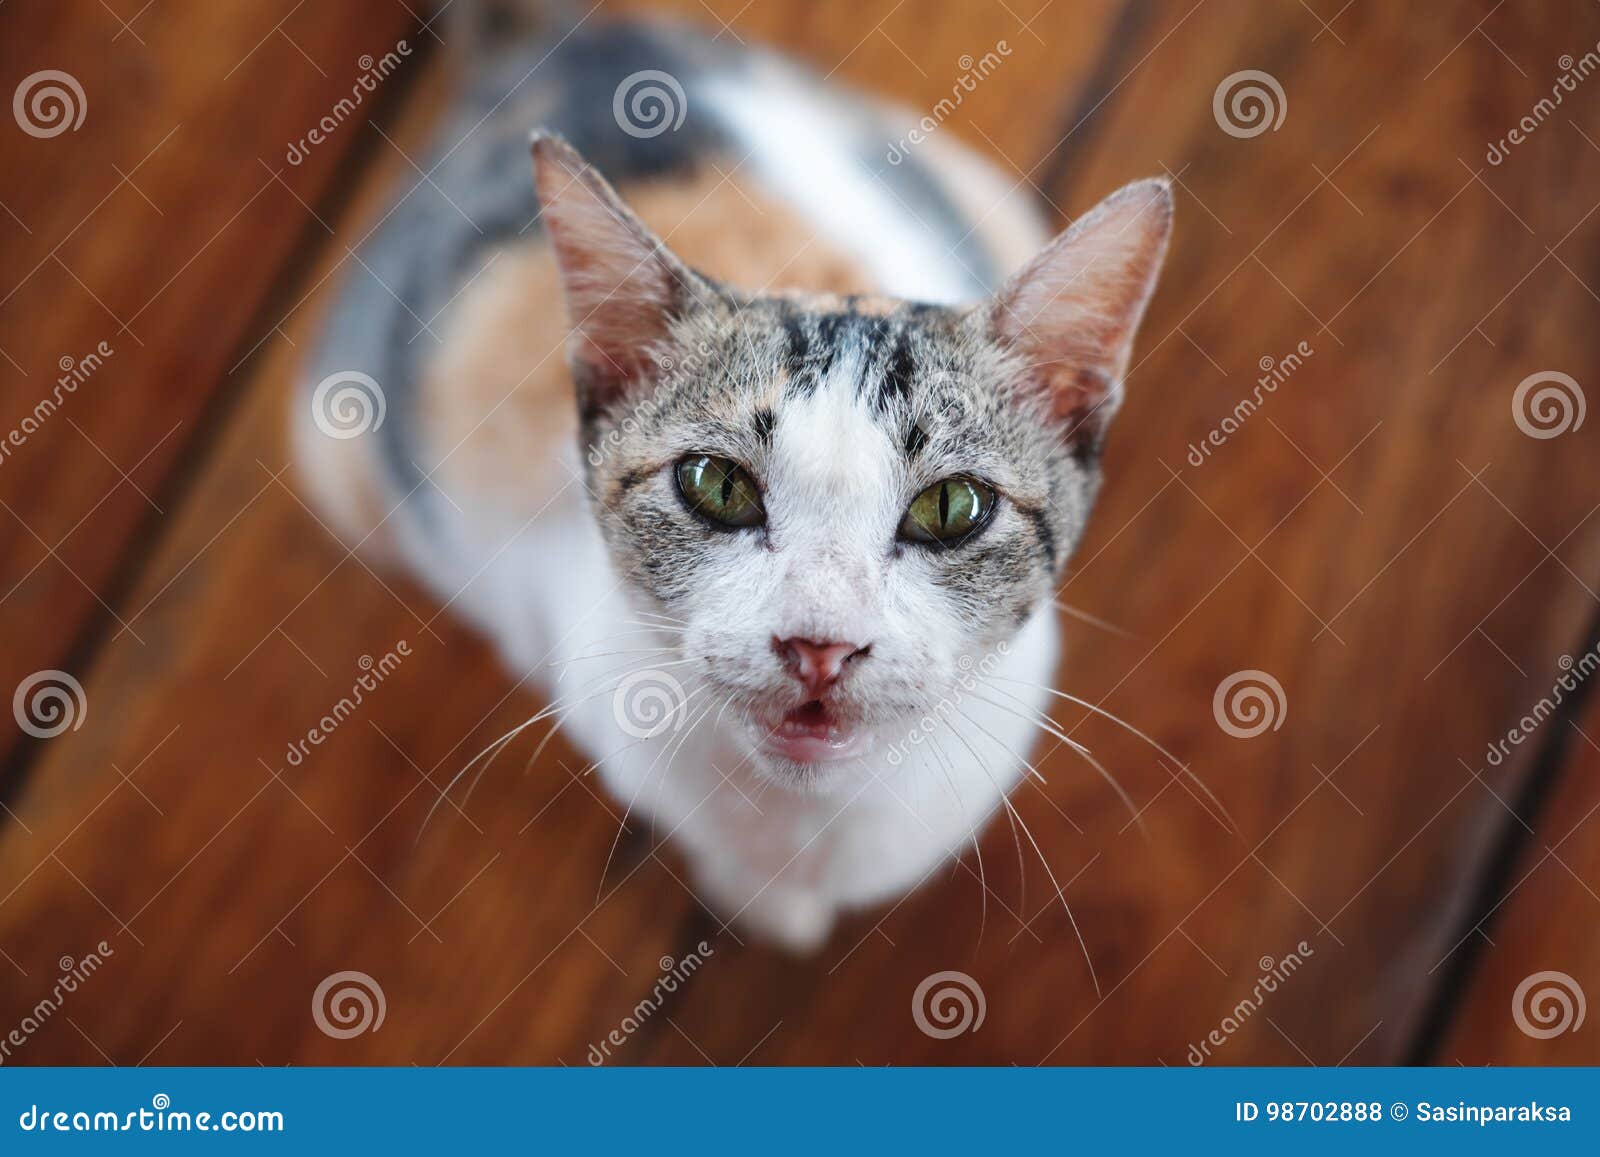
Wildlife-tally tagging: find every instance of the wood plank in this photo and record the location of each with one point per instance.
(140, 248)
(224, 877)
(994, 76)
(1529, 997)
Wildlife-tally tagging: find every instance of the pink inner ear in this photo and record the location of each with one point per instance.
(616, 312)
(1077, 400)
(1074, 309)
(618, 279)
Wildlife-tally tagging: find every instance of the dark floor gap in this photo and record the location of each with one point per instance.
(204, 435)
(1070, 149)
(1554, 753)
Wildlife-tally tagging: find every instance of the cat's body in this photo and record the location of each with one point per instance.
(558, 528)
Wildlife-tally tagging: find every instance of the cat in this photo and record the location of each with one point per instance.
(760, 453)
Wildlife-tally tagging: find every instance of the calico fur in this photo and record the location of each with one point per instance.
(552, 337)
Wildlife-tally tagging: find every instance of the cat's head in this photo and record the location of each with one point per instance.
(842, 503)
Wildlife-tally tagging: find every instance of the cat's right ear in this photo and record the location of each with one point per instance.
(622, 284)
(1072, 312)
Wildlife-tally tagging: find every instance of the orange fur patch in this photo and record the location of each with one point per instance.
(497, 399)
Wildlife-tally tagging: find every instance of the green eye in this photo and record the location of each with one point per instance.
(720, 490)
(947, 510)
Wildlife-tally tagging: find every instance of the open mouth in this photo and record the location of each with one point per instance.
(813, 733)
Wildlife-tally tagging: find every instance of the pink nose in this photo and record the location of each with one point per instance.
(815, 663)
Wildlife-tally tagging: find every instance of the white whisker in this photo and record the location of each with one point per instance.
(1125, 725)
(1045, 723)
(1048, 871)
(643, 780)
(972, 833)
(1085, 617)
(559, 706)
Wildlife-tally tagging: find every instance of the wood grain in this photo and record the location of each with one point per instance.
(147, 241)
(1378, 535)
(1535, 934)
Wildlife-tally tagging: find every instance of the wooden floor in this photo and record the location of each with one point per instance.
(1381, 539)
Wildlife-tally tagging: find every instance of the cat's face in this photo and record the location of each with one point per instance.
(842, 504)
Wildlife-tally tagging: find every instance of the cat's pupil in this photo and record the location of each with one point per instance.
(720, 490)
(947, 510)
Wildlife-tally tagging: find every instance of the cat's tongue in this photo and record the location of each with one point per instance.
(811, 734)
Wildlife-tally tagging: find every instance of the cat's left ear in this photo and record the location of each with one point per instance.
(1073, 310)
(622, 285)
